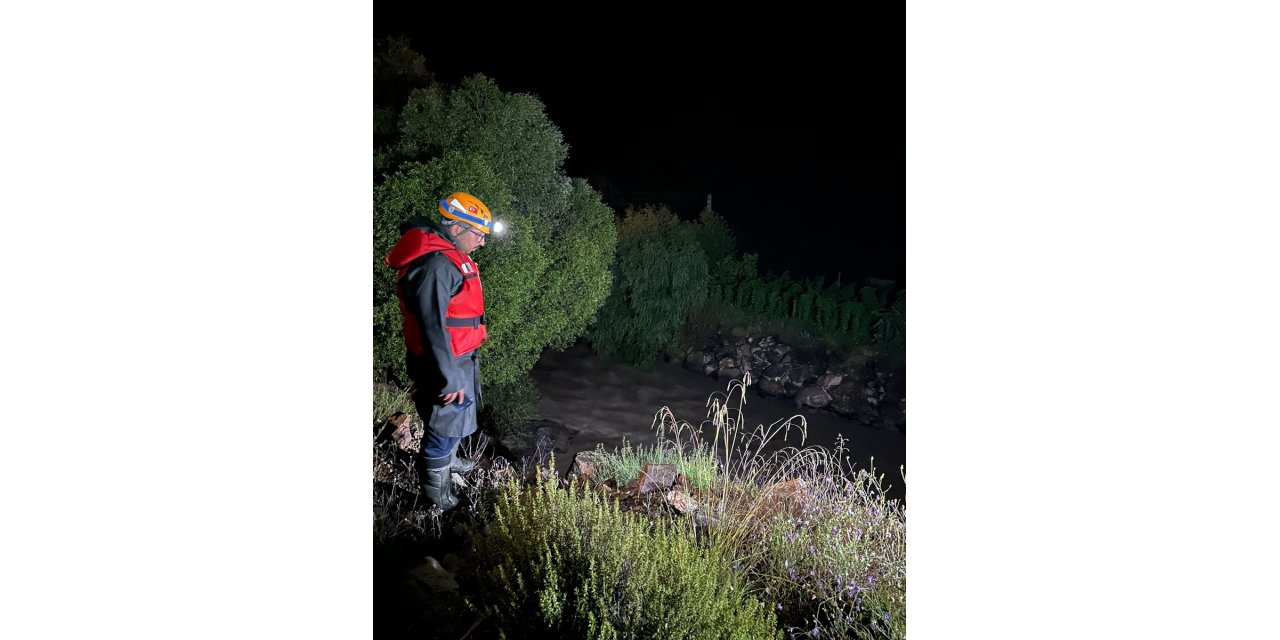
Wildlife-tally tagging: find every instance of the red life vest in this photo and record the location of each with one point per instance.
(464, 317)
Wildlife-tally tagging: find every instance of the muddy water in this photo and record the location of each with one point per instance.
(604, 401)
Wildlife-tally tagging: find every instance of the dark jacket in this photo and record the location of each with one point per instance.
(442, 303)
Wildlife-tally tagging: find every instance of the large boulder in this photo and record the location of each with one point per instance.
(771, 387)
(812, 396)
(828, 380)
(728, 370)
(694, 360)
(585, 463)
(844, 398)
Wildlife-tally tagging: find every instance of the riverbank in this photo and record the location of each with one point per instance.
(602, 401)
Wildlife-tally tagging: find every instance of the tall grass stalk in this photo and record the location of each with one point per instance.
(819, 540)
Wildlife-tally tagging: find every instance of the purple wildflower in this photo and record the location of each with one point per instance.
(814, 633)
(886, 616)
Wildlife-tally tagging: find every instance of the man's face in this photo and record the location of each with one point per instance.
(467, 238)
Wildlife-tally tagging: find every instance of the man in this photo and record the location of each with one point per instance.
(443, 308)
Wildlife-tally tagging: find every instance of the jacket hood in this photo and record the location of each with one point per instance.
(420, 238)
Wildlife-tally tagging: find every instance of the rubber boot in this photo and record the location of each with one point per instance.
(438, 485)
(461, 466)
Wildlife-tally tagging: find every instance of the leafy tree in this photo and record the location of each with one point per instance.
(544, 277)
(717, 241)
(397, 71)
(660, 276)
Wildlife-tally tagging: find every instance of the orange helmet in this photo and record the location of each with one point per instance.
(467, 208)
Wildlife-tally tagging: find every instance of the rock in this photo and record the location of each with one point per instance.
(813, 397)
(771, 387)
(433, 576)
(729, 373)
(726, 363)
(826, 381)
(781, 497)
(680, 501)
(844, 398)
(656, 476)
(584, 464)
(790, 387)
(537, 440)
(704, 520)
(402, 432)
(803, 373)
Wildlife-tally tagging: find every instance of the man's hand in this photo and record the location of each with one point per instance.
(458, 396)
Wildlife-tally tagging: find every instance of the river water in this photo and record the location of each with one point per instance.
(603, 401)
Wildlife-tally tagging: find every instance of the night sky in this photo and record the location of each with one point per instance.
(798, 138)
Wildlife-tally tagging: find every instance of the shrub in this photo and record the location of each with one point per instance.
(821, 544)
(546, 277)
(838, 565)
(507, 406)
(569, 563)
(624, 463)
(660, 278)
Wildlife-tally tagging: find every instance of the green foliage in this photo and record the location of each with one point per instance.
(507, 406)
(511, 132)
(817, 540)
(839, 565)
(660, 278)
(844, 315)
(715, 238)
(568, 564)
(415, 191)
(388, 399)
(545, 277)
(623, 464)
(397, 71)
(891, 324)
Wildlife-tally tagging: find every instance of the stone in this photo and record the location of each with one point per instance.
(803, 373)
(403, 431)
(433, 576)
(844, 398)
(584, 464)
(655, 476)
(786, 496)
(828, 380)
(771, 387)
(814, 397)
(681, 501)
